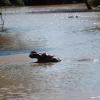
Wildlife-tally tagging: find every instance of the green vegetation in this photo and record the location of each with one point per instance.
(94, 2)
(42, 2)
(19, 2)
(7, 2)
(34, 2)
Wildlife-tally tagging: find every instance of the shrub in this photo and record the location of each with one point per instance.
(20, 2)
(94, 2)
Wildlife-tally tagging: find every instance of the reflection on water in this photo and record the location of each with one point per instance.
(75, 40)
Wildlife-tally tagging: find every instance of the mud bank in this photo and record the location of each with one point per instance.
(14, 58)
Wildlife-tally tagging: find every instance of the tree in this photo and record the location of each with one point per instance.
(20, 2)
(17, 2)
(25, 2)
(7, 2)
(94, 2)
(87, 4)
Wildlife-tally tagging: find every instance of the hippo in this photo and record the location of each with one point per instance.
(43, 57)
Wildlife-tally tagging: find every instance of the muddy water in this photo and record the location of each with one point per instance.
(76, 40)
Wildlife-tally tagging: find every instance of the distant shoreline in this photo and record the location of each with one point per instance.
(61, 8)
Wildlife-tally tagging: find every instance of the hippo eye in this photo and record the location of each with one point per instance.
(33, 52)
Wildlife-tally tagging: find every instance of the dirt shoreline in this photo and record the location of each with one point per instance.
(61, 8)
(14, 58)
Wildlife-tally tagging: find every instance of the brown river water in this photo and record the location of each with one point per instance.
(75, 40)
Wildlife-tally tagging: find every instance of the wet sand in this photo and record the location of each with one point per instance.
(14, 58)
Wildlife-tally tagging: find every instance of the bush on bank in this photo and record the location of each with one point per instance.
(35, 2)
(94, 3)
(41, 2)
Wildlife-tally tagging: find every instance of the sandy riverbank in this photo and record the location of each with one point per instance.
(14, 58)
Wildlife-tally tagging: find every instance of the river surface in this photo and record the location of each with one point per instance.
(75, 40)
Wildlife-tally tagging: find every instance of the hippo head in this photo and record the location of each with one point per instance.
(43, 57)
(34, 54)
